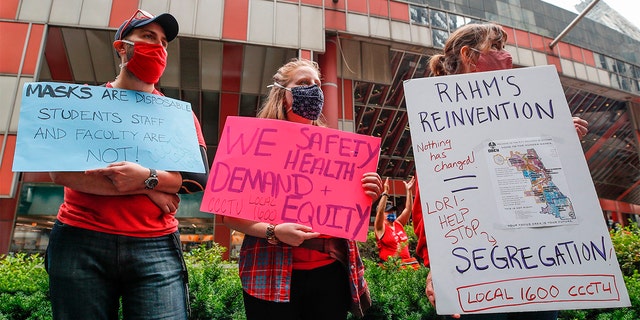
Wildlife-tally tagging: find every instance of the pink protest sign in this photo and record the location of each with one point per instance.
(279, 171)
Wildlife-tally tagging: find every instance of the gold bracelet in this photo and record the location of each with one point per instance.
(271, 234)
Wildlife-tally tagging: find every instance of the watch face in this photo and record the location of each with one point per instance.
(151, 182)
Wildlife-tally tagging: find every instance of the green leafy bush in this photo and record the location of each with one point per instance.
(626, 243)
(24, 287)
(214, 285)
(22, 273)
(396, 293)
(20, 305)
(216, 292)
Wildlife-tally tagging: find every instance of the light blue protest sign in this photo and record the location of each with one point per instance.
(70, 127)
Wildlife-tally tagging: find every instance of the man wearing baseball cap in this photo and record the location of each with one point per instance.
(116, 236)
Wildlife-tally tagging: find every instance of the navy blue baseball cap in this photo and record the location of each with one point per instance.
(390, 207)
(142, 18)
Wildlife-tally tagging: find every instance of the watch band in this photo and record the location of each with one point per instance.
(271, 234)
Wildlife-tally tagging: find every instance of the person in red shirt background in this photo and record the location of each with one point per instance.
(391, 237)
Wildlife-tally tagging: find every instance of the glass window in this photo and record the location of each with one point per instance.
(502, 9)
(406, 168)
(420, 1)
(377, 94)
(611, 64)
(40, 199)
(380, 128)
(367, 119)
(171, 92)
(528, 17)
(388, 170)
(422, 70)
(601, 61)
(624, 69)
(439, 19)
(495, 17)
(196, 232)
(439, 38)
(615, 83)
(193, 97)
(236, 243)
(397, 128)
(620, 67)
(30, 236)
(405, 71)
(456, 21)
(419, 15)
(636, 72)
(210, 118)
(625, 83)
(516, 13)
(189, 67)
(360, 92)
(249, 105)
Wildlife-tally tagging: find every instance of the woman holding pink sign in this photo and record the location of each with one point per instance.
(288, 271)
(474, 48)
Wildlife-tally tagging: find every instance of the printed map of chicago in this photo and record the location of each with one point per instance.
(529, 193)
(542, 187)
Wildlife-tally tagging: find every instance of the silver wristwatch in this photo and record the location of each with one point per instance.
(152, 181)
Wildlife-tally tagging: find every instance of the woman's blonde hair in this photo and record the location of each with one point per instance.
(478, 36)
(273, 107)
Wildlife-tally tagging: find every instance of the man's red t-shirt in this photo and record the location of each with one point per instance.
(130, 215)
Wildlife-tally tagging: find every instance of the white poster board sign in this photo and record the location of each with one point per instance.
(512, 218)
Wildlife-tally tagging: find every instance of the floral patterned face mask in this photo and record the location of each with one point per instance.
(307, 100)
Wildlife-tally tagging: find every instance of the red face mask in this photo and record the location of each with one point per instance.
(148, 61)
(494, 60)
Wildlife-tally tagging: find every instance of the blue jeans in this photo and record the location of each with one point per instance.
(89, 272)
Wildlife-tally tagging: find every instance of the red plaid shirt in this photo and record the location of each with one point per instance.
(265, 270)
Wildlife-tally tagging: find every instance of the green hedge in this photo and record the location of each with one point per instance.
(216, 292)
(396, 293)
(214, 285)
(24, 288)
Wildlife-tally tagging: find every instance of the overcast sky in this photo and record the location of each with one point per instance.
(627, 8)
